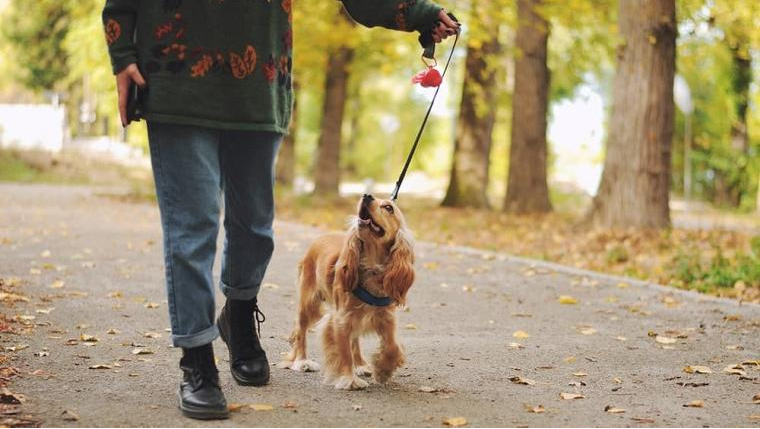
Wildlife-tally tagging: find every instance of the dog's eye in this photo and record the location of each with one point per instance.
(389, 208)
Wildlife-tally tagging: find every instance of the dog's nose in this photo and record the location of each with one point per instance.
(367, 197)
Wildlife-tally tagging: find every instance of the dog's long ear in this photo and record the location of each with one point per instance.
(347, 266)
(399, 272)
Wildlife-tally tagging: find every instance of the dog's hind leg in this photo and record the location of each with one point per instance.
(309, 312)
(361, 368)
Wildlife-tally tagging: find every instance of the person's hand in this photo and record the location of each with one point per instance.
(123, 80)
(446, 27)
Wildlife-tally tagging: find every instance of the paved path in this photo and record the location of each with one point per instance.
(459, 335)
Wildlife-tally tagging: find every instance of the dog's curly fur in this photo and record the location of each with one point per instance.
(376, 252)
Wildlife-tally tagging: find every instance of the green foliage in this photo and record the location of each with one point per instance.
(718, 271)
(37, 29)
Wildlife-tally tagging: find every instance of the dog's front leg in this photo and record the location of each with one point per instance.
(389, 356)
(338, 356)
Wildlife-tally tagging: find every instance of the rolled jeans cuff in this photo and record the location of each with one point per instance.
(196, 340)
(240, 293)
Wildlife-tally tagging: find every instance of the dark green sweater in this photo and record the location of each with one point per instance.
(226, 63)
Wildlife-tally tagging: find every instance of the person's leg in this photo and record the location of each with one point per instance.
(247, 162)
(185, 162)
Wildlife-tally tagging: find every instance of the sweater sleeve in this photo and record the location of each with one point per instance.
(404, 15)
(119, 20)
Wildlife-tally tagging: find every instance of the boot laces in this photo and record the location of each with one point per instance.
(258, 319)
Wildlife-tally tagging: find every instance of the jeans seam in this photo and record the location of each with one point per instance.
(170, 263)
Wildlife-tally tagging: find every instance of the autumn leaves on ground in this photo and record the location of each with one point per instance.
(490, 341)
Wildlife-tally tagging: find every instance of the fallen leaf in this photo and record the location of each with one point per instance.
(565, 395)
(430, 265)
(45, 310)
(261, 407)
(569, 359)
(619, 338)
(756, 399)
(57, 284)
(588, 331)
(8, 397)
(732, 318)
(410, 326)
(270, 286)
(614, 410)
(113, 331)
(235, 407)
(116, 294)
(642, 420)
(427, 389)
(290, 405)
(617, 380)
(17, 348)
(520, 380)
(88, 338)
(623, 285)
(455, 422)
(697, 403)
(580, 374)
(152, 335)
(665, 340)
(735, 370)
(566, 299)
(356, 407)
(754, 417)
(538, 409)
(516, 346)
(100, 366)
(69, 416)
(142, 351)
(697, 369)
(151, 305)
(521, 334)
(45, 254)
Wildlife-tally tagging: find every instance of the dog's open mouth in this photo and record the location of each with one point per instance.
(365, 219)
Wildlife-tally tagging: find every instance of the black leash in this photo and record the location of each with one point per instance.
(428, 54)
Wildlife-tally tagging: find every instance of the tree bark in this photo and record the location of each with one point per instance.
(635, 185)
(286, 158)
(327, 167)
(468, 184)
(527, 188)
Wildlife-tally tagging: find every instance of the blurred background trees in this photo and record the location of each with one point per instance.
(490, 141)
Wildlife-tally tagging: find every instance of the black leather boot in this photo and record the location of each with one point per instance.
(200, 396)
(248, 361)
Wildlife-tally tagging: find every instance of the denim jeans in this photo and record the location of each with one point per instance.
(196, 171)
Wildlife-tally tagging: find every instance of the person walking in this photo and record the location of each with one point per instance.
(215, 90)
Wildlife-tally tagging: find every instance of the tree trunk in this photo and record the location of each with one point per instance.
(477, 113)
(327, 168)
(286, 158)
(527, 188)
(635, 185)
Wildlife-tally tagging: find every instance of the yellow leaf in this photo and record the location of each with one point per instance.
(151, 305)
(521, 334)
(697, 369)
(565, 395)
(566, 299)
(665, 340)
(539, 409)
(520, 380)
(580, 374)
(588, 331)
(57, 284)
(697, 403)
(410, 326)
(613, 410)
(455, 422)
(88, 338)
(261, 407)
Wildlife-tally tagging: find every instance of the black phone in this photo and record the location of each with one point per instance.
(135, 100)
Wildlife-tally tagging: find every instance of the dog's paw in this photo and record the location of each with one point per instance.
(350, 382)
(304, 365)
(363, 371)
